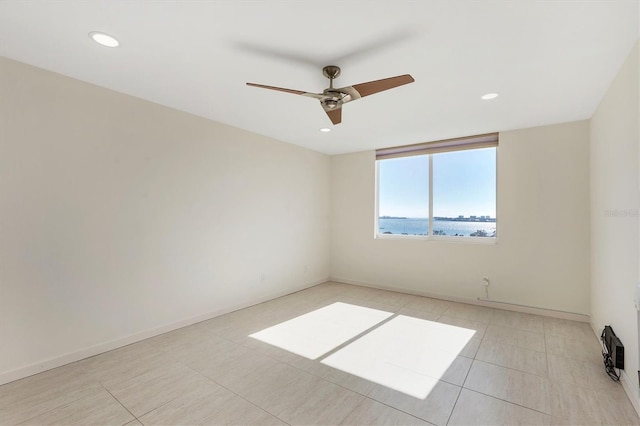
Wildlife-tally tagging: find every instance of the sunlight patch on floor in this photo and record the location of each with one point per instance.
(407, 354)
(318, 332)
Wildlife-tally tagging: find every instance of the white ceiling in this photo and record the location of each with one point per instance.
(551, 61)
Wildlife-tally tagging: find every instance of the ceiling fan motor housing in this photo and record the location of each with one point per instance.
(331, 103)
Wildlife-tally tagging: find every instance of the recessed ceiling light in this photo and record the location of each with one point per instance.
(488, 96)
(325, 130)
(104, 39)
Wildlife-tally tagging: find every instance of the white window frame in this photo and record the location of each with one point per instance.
(431, 148)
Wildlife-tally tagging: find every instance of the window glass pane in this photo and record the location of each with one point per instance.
(403, 196)
(464, 193)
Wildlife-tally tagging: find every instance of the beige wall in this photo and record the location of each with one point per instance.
(614, 213)
(121, 218)
(541, 257)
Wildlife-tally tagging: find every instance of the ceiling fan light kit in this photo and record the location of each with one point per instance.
(331, 99)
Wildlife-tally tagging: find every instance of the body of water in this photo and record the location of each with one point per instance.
(440, 227)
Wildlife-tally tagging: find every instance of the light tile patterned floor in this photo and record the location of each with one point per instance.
(516, 369)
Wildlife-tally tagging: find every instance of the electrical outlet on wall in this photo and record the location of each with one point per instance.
(485, 283)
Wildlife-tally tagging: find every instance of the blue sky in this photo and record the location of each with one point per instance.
(464, 183)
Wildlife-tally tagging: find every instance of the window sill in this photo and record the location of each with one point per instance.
(440, 238)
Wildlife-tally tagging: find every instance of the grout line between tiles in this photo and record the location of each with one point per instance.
(461, 387)
(455, 403)
(398, 409)
(236, 394)
(513, 369)
(119, 402)
(508, 402)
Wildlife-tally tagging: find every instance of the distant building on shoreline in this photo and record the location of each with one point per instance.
(461, 218)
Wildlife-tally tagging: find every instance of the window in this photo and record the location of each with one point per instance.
(438, 189)
(404, 195)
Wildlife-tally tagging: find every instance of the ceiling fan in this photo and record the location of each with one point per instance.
(332, 98)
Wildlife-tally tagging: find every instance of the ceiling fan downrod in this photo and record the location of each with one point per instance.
(331, 72)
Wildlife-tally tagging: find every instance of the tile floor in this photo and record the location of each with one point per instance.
(515, 369)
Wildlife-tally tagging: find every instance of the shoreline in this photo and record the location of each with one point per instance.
(443, 219)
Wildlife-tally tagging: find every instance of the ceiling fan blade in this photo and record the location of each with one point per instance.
(371, 87)
(295, 92)
(335, 115)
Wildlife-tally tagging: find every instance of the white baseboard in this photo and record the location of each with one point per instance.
(78, 355)
(491, 304)
(631, 391)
